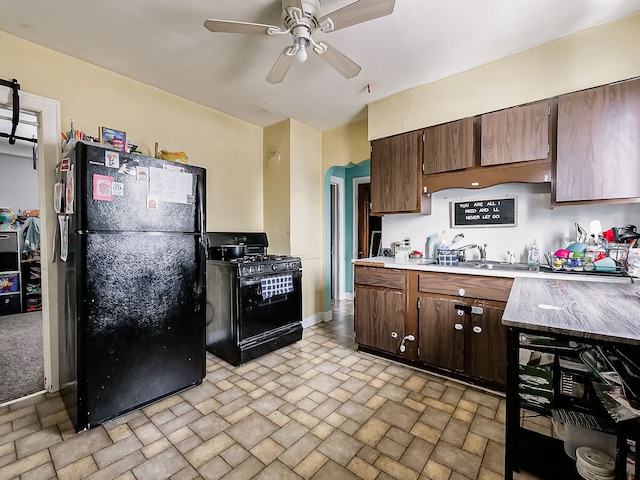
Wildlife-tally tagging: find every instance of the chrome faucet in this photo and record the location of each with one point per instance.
(461, 251)
(462, 254)
(483, 252)
(512, 257)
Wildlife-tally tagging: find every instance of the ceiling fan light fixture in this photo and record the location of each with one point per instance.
(301, 54)
(301, 45)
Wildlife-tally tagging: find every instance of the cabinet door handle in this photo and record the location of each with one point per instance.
(458, 326)
(477, 329)
(464, 308)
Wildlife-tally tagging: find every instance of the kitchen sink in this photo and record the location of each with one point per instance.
(492, 265)
(502, 266)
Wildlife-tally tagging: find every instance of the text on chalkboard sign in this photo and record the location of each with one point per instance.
(478, 213)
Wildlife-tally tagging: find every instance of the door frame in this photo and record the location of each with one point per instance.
(338, 239)
(48, 150)
(357, 181)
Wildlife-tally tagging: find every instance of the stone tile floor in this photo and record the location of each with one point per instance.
(316, 410)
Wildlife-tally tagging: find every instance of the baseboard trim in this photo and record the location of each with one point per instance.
(316, 318)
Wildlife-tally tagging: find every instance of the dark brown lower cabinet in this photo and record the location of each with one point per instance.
(463, 335)
(379, 318)
(487, 345)
(441, 334)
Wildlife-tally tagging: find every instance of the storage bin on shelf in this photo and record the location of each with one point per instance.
(578, 429)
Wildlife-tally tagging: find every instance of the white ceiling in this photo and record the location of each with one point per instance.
(164, 43)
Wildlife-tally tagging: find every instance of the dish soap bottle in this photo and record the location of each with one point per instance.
(444, 245)
(534, 257)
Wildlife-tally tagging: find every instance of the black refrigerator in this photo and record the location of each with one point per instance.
(131, 249)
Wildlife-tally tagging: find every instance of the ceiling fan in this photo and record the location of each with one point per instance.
(301, 19)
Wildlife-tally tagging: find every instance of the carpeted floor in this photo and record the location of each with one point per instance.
(21, 360)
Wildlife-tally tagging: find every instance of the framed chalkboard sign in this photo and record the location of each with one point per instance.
(500, 212)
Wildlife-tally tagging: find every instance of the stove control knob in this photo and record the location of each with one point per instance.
(274, 266)
(259, 268)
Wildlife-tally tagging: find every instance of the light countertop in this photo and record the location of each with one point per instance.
(414, 264)
(601, 311)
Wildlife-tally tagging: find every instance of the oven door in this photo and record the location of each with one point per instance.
(260, 317)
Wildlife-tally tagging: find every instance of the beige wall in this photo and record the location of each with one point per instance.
(229, 148)
(277, 197)
(600, 55)
(293, 202)
(306, 212)
(344, 145)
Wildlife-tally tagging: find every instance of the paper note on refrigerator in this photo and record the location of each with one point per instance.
(170, 186)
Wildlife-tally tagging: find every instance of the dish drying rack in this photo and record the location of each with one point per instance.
(618, 252)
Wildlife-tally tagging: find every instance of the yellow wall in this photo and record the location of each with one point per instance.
(344, 145)
(277, 197)
(596, 56)
(306, 212)
(229, 148)
(293, 202)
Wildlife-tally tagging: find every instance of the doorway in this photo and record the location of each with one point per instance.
(341, 227)
(21, 336)
(366, 225)
(337, 251)
(44, 115)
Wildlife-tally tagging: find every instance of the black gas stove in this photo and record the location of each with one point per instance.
(254, 301)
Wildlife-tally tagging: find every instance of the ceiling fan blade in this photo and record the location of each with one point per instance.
(338, 60)
(282, 65)
(292, 3)
(229, 26)
(357, 12)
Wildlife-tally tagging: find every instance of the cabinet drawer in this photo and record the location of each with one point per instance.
(474, 286)
(380, 277)
(10, 304)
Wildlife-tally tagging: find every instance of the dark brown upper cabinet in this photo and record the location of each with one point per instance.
(516, 134)
(599, 144)
(449, 147)
(396, 174)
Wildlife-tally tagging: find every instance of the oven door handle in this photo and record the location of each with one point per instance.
(283, 297)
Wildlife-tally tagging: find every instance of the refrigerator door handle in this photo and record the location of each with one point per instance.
(200, 265)
(202, 239)
(200, 203)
